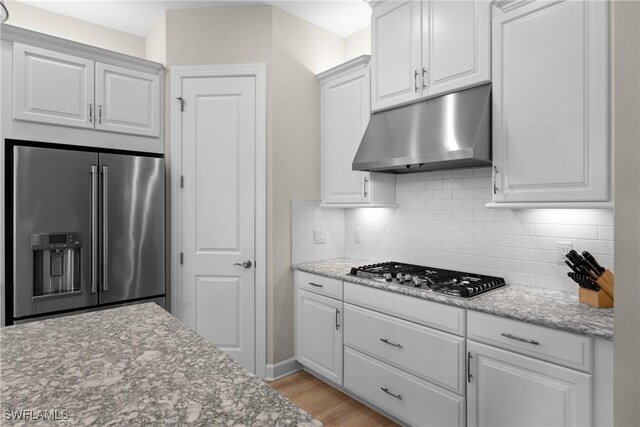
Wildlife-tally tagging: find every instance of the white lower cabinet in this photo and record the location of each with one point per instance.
(410, 399)
(435, 356)
(508, 389)
(319, 334)
(429, 364)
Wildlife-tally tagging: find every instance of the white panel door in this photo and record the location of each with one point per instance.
(219, 128)
(510, 390)
(319, 334)
(395, 53)
(551, 102)
(128, 101)
(52, 87)
(456, 44)
(346, 108)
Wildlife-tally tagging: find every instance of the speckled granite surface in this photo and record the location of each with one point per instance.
(135, 365)
(558, 310)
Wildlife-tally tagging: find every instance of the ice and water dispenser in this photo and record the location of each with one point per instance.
(56, 263)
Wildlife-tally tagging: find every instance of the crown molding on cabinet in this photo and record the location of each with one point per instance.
(360, 61)
(33, 38)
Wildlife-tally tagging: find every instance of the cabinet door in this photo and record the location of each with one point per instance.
(456, 44)
(395, 51)
(507, 389)
(52, 87)
(551, 102)
(319, 334)
(128, 101)
(345, 115)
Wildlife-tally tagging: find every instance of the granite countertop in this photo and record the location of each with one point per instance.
(135, 365)
(554, 309)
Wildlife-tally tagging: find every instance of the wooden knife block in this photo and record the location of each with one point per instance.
(604, 297)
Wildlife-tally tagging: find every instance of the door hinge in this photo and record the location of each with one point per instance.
(181, 258)
(181, 181)
(181, 103)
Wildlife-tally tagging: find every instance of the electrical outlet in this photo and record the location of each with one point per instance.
(356, 235)
(562, 249)
(318, 237)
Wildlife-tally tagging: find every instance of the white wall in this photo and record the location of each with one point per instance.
(442, 222)
(43, 21)
(155, 44)
(358, 43)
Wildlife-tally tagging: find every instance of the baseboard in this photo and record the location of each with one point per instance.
(282, 369)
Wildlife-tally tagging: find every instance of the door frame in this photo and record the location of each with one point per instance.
(259, 72)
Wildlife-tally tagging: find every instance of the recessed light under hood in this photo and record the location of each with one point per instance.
(447, 132)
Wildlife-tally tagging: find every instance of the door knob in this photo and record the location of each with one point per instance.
(245, 264)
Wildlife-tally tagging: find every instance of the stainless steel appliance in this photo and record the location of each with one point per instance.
(446, 132)
(454, 283)
(88, 229)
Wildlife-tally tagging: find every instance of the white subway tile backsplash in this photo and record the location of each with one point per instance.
(442, 222)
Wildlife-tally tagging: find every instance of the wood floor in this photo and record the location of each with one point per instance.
(330, 406)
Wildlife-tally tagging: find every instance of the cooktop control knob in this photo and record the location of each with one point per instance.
(416, 281)
(407, 278)
(388, 277)
(400, 277)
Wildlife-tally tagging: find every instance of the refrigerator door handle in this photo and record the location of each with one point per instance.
(94, 229)
(105, 230)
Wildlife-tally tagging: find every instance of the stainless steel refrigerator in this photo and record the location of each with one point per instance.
(88, 229)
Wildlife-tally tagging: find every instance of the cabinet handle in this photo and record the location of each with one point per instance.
(100, 113)
(315, 284)
(386, 390)
(90, 111)
(513, 337)
(386, 341)
(365, 187)
(495, 179)
(424, 79)
(469, 376)
(337, 319)
(415, 80)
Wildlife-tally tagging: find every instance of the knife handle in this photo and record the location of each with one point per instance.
(591, 260)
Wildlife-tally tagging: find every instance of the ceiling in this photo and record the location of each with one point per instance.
(342, 17)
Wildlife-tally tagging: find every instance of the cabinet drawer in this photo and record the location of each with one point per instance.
(318, 284)
(439, 316)
(433, 355)
(409, 398)
(560, 347)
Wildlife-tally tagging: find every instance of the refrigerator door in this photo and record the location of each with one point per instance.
(52, 230)
(132, 208)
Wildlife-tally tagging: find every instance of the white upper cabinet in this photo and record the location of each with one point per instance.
(551, 102)
(345, 111)
(425, 48)
(395, 47)
(456, 48)
(52, 87)
(127, 100)
(62, 92)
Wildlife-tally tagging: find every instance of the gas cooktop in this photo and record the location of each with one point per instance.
(454, 283)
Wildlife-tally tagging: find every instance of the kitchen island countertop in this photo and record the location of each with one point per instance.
(553, 309)
(135, 365)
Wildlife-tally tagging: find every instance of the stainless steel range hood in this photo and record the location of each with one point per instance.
(451, 131)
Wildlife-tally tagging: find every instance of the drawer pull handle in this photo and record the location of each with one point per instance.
(337, 319)
(386, 390)
(513, 337)
(316, 285)
(386, 341)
